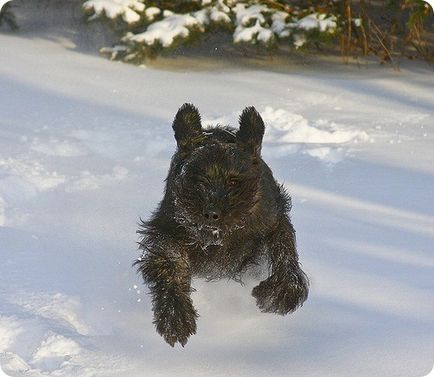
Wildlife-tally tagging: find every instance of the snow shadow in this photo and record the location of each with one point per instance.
(81, 163)
(63, 22)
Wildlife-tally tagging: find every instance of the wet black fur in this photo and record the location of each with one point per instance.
(218, 172)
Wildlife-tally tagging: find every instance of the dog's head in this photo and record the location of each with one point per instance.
(216, 179)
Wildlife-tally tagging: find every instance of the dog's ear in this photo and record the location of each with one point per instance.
(251, 132)
(187, 127)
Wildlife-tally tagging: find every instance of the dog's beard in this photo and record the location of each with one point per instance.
(208, 235)
(201, 234)
(204, 235)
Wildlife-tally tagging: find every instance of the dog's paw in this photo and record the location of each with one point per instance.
(281, 296)
(176, 326)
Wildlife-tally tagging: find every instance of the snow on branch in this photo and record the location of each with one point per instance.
(167, 30)
(316, 21)
(129, 10)
(248, 21)
(245, 16)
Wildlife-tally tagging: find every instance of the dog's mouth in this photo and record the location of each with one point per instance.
(205, 235)
(210, 235)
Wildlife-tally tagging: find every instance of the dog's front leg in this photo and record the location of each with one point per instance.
(287, 286)
(166, 272)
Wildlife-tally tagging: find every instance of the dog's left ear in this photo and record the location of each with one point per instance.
(251, 132)
(187, 126)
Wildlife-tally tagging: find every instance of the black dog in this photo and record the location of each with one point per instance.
(222, 212)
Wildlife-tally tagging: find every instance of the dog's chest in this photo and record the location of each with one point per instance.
(228, 260)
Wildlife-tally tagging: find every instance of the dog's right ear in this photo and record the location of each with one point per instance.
(251, 132)
(187, 127)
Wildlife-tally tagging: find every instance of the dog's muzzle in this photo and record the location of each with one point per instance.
(210, 236)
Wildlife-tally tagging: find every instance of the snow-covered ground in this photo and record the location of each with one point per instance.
(84, 148)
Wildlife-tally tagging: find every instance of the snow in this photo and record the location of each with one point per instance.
(311, 22)
(299, 40)
(53, 351)
(152, 12)
(357, 22)
(176, 26)
(244, 31)
(280, 24)
(9, 330)
(317, 21)
(249, 34)
(167, 30)
(129, 10)
(3, 2)
(113, 51)
(167, 13)
(2, 212)
(288, 127)
(88, 156)
(252, 24)
(286, 131)
(246, 14)
(217, 15)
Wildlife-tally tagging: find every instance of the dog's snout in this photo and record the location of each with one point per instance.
(211, 215)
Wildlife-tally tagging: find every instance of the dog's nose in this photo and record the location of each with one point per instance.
(211, 215)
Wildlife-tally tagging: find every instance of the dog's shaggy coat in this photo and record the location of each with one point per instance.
(222, 212)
